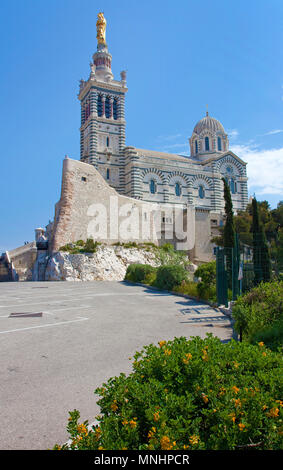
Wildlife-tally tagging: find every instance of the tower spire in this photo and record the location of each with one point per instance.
(102, 58)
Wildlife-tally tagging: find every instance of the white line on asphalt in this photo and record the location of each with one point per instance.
(73, 299)
(44, 326)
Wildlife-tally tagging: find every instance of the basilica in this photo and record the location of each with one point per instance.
(146, 174)
(117, 193)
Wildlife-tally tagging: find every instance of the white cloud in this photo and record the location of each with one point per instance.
(233, 133)
(275, 131)
(264, 170)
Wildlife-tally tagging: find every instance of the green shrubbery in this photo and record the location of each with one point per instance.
(169, 276)
(197, 394)
(138, 272)
(259, 313)
(163, 277)
(90, 246)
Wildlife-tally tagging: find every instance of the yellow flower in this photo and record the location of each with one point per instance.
(114, 406)
(204, 397)
(125, 422)
(273, 412)
(280, 402)
(156, 416)
(186, 447)
(165, 443)
(235, 389)
(261, 344)
(205, 356)
(151, 433)
(187, 358)
(82, 429)
(264, 353)
(241, 426)
(167, 352)
(233, 417)
(161, 343)
(236, 365)
(238, 402)
(133, 423)
(194, 439)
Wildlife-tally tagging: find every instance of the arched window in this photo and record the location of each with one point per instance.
(219, 143)
(99, 106)
(115, 108)
(232, 186)
(152, 186)
(178, 189)
(196, 146)
(107, 107)
(201, 192)
(206, 140)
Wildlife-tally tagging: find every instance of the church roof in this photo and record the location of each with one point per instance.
(210, 124)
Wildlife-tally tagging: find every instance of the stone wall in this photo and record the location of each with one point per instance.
(23, 259)
(90, 208)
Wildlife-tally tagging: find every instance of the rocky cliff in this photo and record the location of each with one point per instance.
(108, 263)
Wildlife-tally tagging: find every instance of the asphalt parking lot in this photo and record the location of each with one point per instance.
(61, 340)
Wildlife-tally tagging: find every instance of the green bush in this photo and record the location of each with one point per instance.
(188, 288)
(90, 246)
(271, 336)
(197, 394)
(207, 285)
(138, 272)
(169, 276)
(257, 310)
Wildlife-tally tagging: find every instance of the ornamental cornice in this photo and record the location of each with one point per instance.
(116, 86)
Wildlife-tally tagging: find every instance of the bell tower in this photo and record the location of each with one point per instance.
(102, 131)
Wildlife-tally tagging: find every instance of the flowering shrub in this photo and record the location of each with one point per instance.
(196, 394)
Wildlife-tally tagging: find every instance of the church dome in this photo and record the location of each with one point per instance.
(208, 123)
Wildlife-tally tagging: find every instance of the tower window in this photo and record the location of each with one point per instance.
(219, 143)
(107, 141)
(196, 146)
(178, 189)
(107, 107)
(115, 108)
(99, 106)
(201, 192)
(206, 143)
(107, 174)
(152, 186)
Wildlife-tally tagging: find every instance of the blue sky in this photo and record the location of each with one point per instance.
(180, 56)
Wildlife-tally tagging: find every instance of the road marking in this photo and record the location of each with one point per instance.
(73, 299)
(44, 326)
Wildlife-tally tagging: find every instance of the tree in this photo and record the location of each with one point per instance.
(229, 228)
(261, 258)
(228, 232)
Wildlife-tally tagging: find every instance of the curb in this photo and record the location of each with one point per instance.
(225, 310)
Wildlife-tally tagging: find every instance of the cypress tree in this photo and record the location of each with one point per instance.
(261, 257)
(229, 230)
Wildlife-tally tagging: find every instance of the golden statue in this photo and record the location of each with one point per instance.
(101, 29)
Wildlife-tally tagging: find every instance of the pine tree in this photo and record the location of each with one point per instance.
(261, 257)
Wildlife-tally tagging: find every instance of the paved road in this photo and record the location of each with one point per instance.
(70, 337)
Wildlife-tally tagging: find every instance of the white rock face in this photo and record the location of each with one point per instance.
(109, 263)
